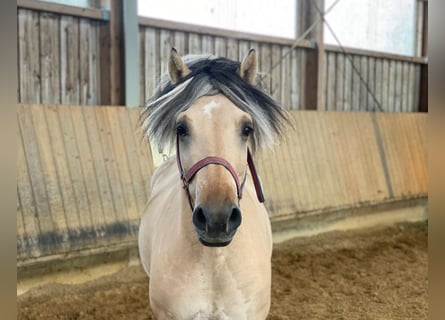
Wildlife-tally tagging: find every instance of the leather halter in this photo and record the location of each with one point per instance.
(187, 176)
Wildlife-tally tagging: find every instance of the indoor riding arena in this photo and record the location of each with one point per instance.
(346, 186)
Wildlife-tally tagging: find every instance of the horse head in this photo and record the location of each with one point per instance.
(213, 138)
(213, 111)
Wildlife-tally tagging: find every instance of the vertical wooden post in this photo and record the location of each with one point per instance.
(423, 96)
(131, 41)
(315, 63)
(112, 57)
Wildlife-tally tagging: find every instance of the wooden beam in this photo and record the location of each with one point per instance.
(116, 46)
(131, 41)
(164, 24)
(423, 95)
(89, 13)
(377, 54)
(315, 64)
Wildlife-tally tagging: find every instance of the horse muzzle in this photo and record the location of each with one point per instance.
(216, 227)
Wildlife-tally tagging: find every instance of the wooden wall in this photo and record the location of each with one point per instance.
(64, 58)
(58, 58)
(337, 160)
(83, 173)
(282, 78)
(82, 179)
(395, 83)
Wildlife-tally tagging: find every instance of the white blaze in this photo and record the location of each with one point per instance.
(209, 107)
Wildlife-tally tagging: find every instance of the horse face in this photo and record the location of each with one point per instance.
(214, 126)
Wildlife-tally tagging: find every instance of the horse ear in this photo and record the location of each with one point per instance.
(176, 67)
(249, 67)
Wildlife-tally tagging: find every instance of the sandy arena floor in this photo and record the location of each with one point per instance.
(379, 273)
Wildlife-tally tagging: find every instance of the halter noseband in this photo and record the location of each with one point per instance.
(187, 176)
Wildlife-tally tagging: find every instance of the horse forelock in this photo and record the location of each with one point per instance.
(210, 76)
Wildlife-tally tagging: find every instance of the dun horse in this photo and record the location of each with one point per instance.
(205, 238)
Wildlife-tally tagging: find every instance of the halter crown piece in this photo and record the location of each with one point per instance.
(187, 176)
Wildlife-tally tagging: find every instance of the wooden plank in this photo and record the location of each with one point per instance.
(378, 82)
(404, 90)
(69, 58)
(410, 87)
(392, 86)
(208, 44)
(330, 86)
(363, 67)
(416, 91)
(104, 64)
(275, 73)
(27, 202)
(265, 64)
(398, 87)
(95, 57)
(355, 84)
(371, 106)
(364, 153)
(143, 151)
(142, 67)
(152, 70)
(49, 58)
(29, 62)
(253, 45)
(385, 86)
(126, 146)
(314, 90)
(82, 167)
(302, 58)
(166, 45)
(85, 47)
(220, 47)
(285, 79)
(199, 29)
(139, 172)
(61, 9)
(45, 238)
(232, 49)
(67, 181)
(243, 49)
(122, 164)
(195, 46)
(339, 82)
(109, 157)
(180, 42)
(54, 219)
(348, 85)
(294, 103)
(100, 166)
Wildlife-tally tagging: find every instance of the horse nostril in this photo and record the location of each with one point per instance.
(199, 218)
(235, 218)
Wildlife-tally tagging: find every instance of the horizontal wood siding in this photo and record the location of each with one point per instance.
(83, 179)
(58, 58)
(393, 83)
(280, 71)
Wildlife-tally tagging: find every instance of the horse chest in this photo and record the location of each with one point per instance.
(210, 289)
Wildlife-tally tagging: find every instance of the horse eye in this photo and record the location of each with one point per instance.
(247, 130)
(181, 130)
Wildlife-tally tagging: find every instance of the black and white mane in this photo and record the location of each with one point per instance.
(210, 76)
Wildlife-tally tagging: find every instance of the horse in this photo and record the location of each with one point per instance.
(205, 238)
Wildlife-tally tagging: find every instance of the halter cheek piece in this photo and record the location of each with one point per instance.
(187, 176)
